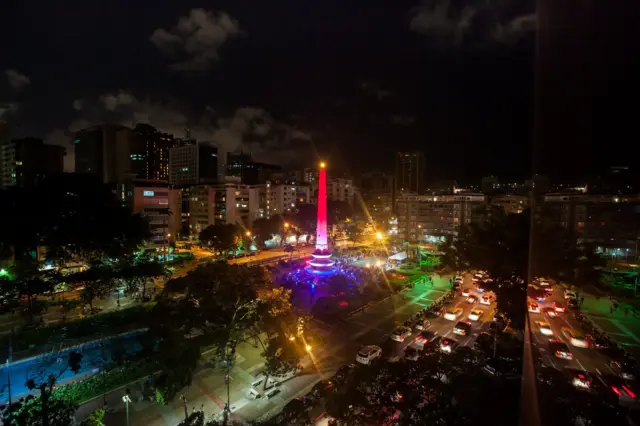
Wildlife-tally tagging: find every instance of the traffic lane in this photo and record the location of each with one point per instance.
(586, 359)
(443, 327)
(589, 359)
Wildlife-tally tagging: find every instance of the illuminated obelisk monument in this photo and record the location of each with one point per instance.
(321, 262)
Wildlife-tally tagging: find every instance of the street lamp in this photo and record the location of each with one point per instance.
(126, 399)
(248, 233)
(379, 235)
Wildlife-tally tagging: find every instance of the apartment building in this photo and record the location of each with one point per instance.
(427, 218)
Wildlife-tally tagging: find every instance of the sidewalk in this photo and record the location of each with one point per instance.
(620, 324)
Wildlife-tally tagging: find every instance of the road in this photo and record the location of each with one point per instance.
(585, 359)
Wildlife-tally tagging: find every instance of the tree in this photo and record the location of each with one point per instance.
(95, 419)
(48, 408)
(281, 356)
(223, 238)
(265, 229)
(306, 218)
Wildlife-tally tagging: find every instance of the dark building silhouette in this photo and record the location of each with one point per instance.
(28, 161)
(242, 166)
(150, 152)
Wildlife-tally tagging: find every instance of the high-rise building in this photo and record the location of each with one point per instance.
(284, 197)
(490, 185)
(610, 222)
(340, 189)
(428, 218)
(150, 152)
(410, 172)
(193, 165)
(105, 151)
(241, 165)
(160, 205)
(377, 194)
(28, 161)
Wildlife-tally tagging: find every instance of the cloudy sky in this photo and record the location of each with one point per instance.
(287, 80)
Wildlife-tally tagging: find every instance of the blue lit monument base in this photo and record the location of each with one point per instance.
(321, 264)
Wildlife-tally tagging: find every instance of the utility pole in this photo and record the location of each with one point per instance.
(9, 365)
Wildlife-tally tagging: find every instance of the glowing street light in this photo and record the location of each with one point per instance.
(379, 235)
(286, 224)
(248, 233)
(323, 165)
(308, 347)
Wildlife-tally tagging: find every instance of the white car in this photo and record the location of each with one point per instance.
(576, 339)
(453, 314)
(422, 324)
(570, 294)
(368, 353)
(545, 328)
(475, 315)
(400, 333)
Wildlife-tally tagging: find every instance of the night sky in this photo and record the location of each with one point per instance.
(293, 80)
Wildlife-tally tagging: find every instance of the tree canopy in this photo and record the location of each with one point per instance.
(222, 237)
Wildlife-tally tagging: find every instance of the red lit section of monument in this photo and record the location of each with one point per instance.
(321, 256)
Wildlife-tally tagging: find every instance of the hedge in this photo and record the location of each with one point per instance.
(91, 387)
(108, 323)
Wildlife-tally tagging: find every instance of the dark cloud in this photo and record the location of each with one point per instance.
(452, 23)
(194, 42)
(16, 79)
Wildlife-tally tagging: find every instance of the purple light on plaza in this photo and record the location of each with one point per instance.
(321, 262)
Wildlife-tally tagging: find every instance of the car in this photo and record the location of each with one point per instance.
(342, 373)
(486, 299)
(570, 294)
(448, 345)
(626, 368)
(422, 324)
(623, 389)
(459, 278)
(597, 342)
(507, 369)
(550, 312)
(533, 307)
(581, 379)
(368, 354)
(400, 333)
(544, 283)
(558, 307)
(480, 289)
(545, 328)
(472, 299)
(475, 315)
(453, 314)
(560, 350)
(424, 338)
(322, 388)
(478, 275)
(462, 328)
(576, 339)
(466, 292)
(475, 279)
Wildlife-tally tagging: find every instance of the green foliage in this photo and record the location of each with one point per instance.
(91, 387)
(178, 360)
(265, 229)
(113, 322)
(223, 238)
(95, 419)
(30, 412)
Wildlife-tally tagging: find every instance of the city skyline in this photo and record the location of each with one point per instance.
(410, 76)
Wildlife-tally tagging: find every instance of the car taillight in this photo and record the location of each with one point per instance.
(627, 390)
(615, 389)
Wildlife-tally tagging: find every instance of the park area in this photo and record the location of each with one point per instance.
(360, 278)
